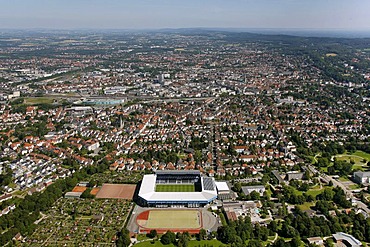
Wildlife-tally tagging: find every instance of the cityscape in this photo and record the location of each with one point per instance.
(184, 137)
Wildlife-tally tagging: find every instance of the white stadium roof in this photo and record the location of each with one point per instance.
(147, 192)
(222, 186)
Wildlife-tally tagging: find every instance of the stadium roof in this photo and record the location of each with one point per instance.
(222, 186)
(178, 172)
(147, 192)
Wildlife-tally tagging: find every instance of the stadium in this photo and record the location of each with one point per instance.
(177, 188)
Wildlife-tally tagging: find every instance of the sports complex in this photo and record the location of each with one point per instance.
(177, 188)
(174, 200)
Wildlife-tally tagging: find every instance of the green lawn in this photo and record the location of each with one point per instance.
(38, 100)
(213, 242)
(306, 205)
(84, 218)
(314, 192)
(362, 154)
(297, 192)
(358, 157)
(324, 169)
(343, 179)
(152, 244)
(316, 187)
(354, 186)
(358, 167)
(192, 243)
(175, 188)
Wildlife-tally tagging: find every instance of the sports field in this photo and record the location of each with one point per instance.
(170, 219)
(175, 188)
(117, 191)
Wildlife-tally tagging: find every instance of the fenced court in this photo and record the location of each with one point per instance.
(175, 188)
(79, 189)
(170, 219)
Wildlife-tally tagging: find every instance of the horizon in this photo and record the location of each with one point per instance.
(166, 14)
(298, 32)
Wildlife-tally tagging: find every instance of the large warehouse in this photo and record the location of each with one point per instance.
(182, 188)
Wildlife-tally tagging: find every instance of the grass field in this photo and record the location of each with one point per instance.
(354, 186)
(314, 192)
(192, 243)
(38, 100)
(175, 188)
(362, 154)
(343, 179)
(306, 205)
(358, 157)
(174, 219)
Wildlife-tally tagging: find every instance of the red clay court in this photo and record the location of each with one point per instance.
(94, 191)
(79, 189)
(117, 191)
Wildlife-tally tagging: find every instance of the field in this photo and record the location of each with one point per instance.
(38, 100)
(358, 157)
(79, 189)
(192, 243)
(94, 191)
(306, 205)
(314, 192)
(175, 188)
(117, 191)
(163, 220)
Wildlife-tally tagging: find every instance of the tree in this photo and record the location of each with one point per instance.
(273, 226)
(280, 243)
(254, 243)
(331, 170)
(307, 175)
(152, 233)
(168, 238)
(226, 234)
(202, 234)
(183, 240)
(323, 162)
(288, 231)
(326, 195)
(237, 187)
(295, 242)
(123, 238)
(87, 194)
(255, 195)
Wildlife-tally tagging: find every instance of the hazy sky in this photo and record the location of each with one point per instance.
(344, 14)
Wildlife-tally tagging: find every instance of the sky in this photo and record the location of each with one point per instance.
(155, 14)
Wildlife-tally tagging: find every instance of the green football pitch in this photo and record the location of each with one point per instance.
(174, 188)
